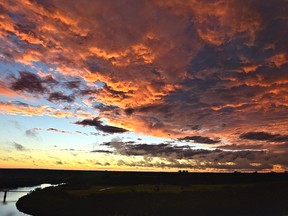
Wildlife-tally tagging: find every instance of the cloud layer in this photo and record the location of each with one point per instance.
(211, 72)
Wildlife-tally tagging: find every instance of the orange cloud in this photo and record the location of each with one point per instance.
(250, 68)
(7, 92)
(18, 108)
(203, 61)
(218, 22)
(279, 59)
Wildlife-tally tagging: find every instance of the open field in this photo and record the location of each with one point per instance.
(257, 199)
(133, 193)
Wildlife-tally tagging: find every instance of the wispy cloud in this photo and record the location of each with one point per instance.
(20, 108)
(19, 147)
(65, 131)
(33, 132)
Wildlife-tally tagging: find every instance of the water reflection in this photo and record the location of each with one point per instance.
(8, 208)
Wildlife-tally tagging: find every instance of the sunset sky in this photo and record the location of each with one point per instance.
(152, 85)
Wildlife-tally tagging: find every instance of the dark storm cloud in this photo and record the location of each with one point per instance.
(199, 139)
(243, 159)
(258, 136)
(102, 151)
(34, 84)
(28, 82)
(235, 161)
(73, 84)
(280, 138)
(129, 111)
(99, 126)
(264, 136)
(60, 97)
(230, 156)
(162, 150)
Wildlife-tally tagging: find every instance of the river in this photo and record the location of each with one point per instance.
(9, 207)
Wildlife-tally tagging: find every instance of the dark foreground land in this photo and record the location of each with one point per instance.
(135, 193)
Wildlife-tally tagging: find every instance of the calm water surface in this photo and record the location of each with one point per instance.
(9, 207)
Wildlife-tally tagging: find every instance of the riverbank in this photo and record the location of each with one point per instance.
(163, 194)
(8, 207)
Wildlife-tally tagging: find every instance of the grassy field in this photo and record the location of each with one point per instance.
(142, 188)
(147, 194)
